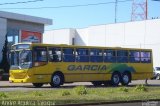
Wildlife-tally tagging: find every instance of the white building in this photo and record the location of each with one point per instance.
(140, 34)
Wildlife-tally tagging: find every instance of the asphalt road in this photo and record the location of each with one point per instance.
(6, 86)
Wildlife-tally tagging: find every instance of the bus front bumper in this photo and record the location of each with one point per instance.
(25, 80)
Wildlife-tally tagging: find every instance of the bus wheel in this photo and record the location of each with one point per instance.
(57, 80)
(97, 83)
(115, 79)
(37, 85)
(126, 78)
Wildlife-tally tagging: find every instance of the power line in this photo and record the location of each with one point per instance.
(71, 6)
(24, 2)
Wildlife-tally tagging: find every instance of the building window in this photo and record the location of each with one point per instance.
(12, 37)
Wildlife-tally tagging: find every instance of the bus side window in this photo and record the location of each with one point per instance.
(134, 56)
(82, 55)
(40, 54)
(96, 55)
(68, 55)
(109, 55)
(122, 56)
(54, 54)
(145, 57)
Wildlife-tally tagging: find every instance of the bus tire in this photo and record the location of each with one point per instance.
(37, 85)
(57, 80)
(126, 78)
(115, 79)
(97, 83)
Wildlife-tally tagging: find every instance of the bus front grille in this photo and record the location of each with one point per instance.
(19, 75)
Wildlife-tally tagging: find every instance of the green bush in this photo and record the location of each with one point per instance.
(65, 93)
(140, 88)
(123, 89)
(3, 95)
(81, 90)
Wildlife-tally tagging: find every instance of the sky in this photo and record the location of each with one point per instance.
(79, 16)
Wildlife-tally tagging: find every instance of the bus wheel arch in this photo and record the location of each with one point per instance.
(115, 78)
(57, 79)
(126, 78)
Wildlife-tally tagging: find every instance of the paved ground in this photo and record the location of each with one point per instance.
(6, 86)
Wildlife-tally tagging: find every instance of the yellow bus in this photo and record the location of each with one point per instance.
(58, 64)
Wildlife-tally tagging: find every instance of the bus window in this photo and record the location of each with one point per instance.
(96, 55)
(68, 55)
(122, 56)
(145, 57)
(40, 54)
(82, 55)
(109, 56)
(134, 56)
(54, 54)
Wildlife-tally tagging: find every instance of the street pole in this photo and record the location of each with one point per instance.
(116, 1)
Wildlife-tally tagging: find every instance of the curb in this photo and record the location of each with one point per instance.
(103, 103)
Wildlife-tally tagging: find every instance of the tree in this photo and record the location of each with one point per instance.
(5, 63)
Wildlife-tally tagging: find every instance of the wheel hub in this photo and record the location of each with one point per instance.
(116, 79)
(125, 79)
(56, 79)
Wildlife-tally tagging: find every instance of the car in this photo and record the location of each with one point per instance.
(157, 73)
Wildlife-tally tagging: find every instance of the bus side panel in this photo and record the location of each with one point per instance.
(142, 70)
(75, 72)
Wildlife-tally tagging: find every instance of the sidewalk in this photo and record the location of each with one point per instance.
(8, 84)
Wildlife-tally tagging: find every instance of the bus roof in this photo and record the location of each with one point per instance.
(76, 46)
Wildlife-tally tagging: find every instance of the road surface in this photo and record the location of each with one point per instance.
(6, 86)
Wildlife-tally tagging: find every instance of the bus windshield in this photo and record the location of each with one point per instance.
(21, 59)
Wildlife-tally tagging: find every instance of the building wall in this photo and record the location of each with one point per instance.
(3, 30)
(81, 37)
(22, 25)
(140, 34)
(63, 36)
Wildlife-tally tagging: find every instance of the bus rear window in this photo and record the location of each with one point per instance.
(145, 57)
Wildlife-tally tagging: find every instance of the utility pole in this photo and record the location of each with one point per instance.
(116, 2)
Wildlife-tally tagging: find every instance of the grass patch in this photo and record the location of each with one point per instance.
(80, 90)
(123, 89)
(140, 88)
(81, 94)
(3, 95)
(65, 93)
